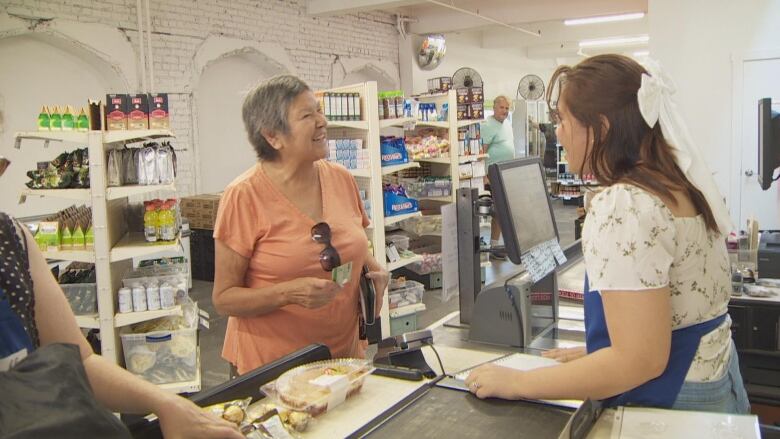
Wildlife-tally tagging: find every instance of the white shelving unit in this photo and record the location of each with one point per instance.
(114, 246)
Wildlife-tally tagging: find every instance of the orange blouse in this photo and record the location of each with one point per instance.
(258, 222)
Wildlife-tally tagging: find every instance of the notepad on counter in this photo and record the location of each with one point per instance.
(515, 361)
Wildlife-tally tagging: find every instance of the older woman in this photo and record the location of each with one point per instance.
(282, 227)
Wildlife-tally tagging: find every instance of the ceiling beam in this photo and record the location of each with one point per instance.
(556, 31)
(436, 19)
(341, 7)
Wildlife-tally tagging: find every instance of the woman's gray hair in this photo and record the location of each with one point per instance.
(265, 108)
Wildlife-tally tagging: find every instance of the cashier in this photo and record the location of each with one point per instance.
(657, 285)
(284, 227)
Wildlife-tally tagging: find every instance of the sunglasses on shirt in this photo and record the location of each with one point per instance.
(329, 257)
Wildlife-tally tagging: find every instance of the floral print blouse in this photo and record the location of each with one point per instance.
(632, 242)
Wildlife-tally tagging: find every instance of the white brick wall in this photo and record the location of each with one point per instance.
(180, 26)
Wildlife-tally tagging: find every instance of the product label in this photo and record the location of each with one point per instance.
(401, 206)
(392, 156)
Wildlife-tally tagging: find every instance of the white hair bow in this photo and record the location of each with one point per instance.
(656, 105)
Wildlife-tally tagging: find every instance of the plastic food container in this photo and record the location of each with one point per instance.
(318, 387)
(81, 297)
(162, 356)
(409, 294)
(759, 290)
(424, 225)
(401, 242)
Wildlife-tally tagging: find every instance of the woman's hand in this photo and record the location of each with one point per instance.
(566, 354)
(490, 380)
(312, 292)
(380, 278)
(180, 419)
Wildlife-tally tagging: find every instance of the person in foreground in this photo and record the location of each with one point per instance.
(282, 227)
(53, 384)
(657, 327)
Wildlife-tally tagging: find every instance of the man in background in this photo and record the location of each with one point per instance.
(498, 142)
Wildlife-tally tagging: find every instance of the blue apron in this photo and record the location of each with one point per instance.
(663, 390)
(15, 343)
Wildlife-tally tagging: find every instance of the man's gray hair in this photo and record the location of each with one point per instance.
(266, 107)
(501, 98)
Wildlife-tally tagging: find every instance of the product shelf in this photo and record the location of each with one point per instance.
(115, 192)
(406, 310)
(131, 318)
(443, 160)
(447, 198)
(71, 255)
(467, 122)
(67, 194)
(360, 173)
(130, 136)
(387, 170)
(399, 122)
(88, 321)
(57, 136)
(390, 220)
(356, 124)
(403, 262)
(433, 123)
(134, 245)
(471, 158)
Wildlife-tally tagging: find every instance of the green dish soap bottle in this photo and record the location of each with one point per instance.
(82, 122)
(55, 120)
(67, 119)
(43, 119)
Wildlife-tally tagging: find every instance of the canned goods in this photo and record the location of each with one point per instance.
(167, 296)
(125, 300)
(153, 297)
(139, 298)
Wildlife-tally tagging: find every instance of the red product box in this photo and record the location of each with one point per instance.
(138, 118)
(117, 108)
(159, 117)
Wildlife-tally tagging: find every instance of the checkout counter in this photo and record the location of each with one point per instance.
(517, 313)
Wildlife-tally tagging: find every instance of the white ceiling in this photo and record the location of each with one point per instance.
(545, 17)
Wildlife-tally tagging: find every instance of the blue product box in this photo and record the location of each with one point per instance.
(393, 152)
(399, 205)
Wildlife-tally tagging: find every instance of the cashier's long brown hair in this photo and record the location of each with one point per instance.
(629, 151)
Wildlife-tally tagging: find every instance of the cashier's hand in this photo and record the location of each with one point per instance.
(380, 278)
(490, 380)
(311, 292)
(181, 419)
(565, 354)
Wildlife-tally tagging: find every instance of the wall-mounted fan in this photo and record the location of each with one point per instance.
(466, 77)
(531, 88)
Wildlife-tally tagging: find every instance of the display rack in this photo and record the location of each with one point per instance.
(563, 168)
(115, 247)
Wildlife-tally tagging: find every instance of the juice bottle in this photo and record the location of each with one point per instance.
(167, 221)
(82, 122)
(55, 120)
(43, 119)
(68, 121)
(150, 222)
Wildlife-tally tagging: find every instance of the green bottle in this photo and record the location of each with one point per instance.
(68, 121)
(82, 122)
(55, 120)
(43, 119)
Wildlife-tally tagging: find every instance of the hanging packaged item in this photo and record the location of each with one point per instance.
(165, 164)
(147, 164)
(114, 168)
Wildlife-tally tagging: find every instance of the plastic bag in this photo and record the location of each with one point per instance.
(231, 411)
(114, 168)
(165, 166)
(149, 163)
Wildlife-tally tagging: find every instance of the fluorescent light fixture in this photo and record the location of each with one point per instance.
(603, 19)
(641, 53)
(623, 41)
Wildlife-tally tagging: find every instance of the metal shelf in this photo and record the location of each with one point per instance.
(360, 173)
(112, 193)
(403, 262)
(400, 122)
(130, 318)
(130, 136)
(71, 255)
(88, 321)
(387, 170)
(357, 124)
(57, 136)
(390, 220)
(134, 245)
(67, 194)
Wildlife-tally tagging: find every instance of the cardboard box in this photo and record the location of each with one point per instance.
(477, 111)
(201, 210)
(476, 95)
(463, 112)
(117, 108)
(159, 116)
(138, 117)
(463, 95)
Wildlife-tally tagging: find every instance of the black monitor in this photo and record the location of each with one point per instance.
(522, 205)
(768, 142)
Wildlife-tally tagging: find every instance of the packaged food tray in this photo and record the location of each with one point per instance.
(81, 297)
(422, 225)
(162, 357)
(318, 387)
(401, 242)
